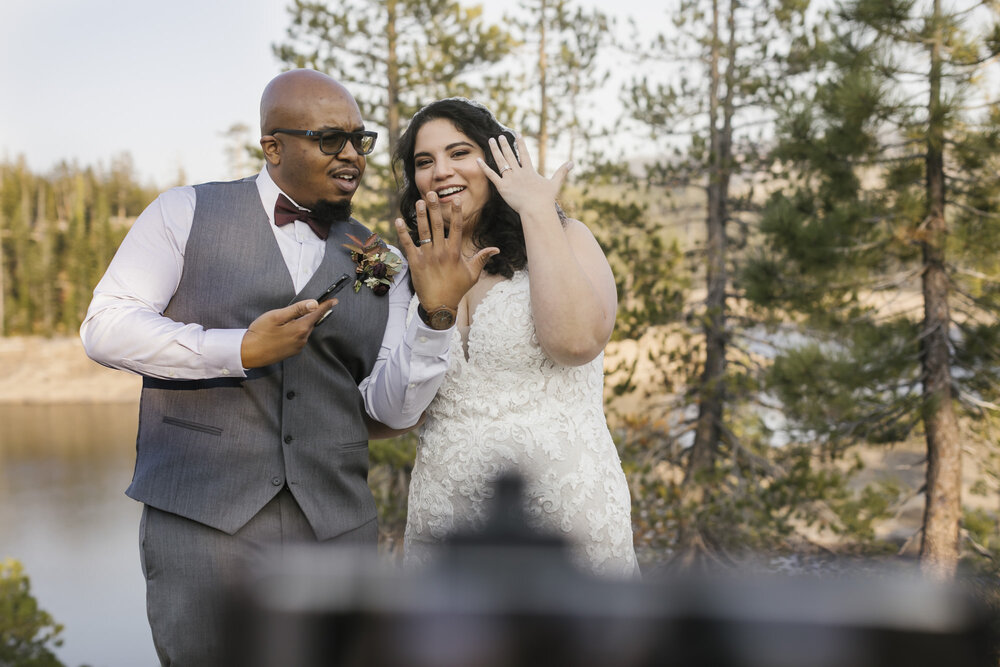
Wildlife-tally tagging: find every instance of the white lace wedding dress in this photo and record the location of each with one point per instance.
(508, 407)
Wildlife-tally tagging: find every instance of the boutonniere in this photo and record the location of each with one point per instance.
(376, 264)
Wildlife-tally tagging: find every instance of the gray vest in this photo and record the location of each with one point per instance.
(216, 451)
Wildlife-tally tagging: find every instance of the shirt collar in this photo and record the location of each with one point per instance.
(269, 191)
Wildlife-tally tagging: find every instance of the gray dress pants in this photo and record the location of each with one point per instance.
(187, 566)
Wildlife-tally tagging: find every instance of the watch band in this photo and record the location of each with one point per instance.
(438, 318)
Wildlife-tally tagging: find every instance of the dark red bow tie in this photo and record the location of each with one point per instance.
(285, 212)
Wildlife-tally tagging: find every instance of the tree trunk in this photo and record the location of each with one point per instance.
(3, 275)
(711, 385)
(392, 100)
(3, 268)
(695, 550)
(939, 548)
(46, 239)
(543, 109)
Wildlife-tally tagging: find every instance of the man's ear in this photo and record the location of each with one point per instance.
(272, 149)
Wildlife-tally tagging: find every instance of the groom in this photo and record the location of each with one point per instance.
(252, 429)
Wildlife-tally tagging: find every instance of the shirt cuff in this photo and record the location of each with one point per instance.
(221, 351)
(426, 342)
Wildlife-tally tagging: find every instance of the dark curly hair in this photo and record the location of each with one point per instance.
(498, 225)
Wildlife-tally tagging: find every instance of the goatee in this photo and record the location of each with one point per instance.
(328, 212)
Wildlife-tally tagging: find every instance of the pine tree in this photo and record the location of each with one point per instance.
(396, 56)
(57, 235)
(76, 284)
(45, 290)
(563, 46)
(3, 276)
(22, 256)
(880, 241)
(3, 262)
(243, 153)
(28, 634)
(731, 62)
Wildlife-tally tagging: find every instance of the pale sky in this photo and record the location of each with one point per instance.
(86, 80)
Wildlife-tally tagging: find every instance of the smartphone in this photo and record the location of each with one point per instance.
(329, 293)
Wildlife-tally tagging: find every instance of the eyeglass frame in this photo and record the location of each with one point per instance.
(353, 137)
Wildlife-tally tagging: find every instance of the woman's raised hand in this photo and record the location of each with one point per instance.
(441, 273)
(521, 185)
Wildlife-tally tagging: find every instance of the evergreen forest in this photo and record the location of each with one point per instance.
(801, 203)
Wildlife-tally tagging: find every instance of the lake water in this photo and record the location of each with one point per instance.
(64, 515)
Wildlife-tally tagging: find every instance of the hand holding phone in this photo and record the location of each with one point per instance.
(329, 293)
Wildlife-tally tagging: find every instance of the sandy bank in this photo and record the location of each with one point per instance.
(56, 370)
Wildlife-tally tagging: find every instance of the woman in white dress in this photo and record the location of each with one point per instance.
(524, 387)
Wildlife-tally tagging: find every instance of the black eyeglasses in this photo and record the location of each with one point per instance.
(332, 142)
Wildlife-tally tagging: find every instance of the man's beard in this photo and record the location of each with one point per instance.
(328, 212)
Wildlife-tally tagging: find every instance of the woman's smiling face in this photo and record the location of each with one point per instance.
(445, 161)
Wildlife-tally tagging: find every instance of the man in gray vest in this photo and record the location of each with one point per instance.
(256, 411)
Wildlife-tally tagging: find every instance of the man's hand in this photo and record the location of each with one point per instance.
(441, 273)
(282, 333)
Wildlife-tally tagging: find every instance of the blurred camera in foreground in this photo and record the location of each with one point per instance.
(505, 597)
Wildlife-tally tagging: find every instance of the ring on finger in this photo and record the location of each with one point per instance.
(423, 241)
(504, 168)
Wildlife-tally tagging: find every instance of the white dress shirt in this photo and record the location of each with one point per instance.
(125, 327)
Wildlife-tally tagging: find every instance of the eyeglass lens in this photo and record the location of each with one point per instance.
(334, 141)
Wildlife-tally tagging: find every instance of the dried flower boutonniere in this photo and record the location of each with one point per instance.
(376, 264)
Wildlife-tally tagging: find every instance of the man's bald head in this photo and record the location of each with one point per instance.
(295, 109)
(287, 95)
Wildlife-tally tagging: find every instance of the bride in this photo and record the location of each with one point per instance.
(524, 387)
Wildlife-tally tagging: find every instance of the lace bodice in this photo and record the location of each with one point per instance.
(507, 406)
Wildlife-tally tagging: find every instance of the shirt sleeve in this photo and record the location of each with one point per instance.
(125, 327)
(410, 366)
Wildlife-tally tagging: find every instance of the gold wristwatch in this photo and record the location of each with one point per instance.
(439, 318)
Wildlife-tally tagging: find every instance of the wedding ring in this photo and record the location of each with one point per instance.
(506, 167)
(423, 241)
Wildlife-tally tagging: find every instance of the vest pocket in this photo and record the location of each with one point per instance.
(193, 426)
(354, 446)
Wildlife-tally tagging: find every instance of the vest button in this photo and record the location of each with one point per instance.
(276, 481)
(288, 439)
(290, 395)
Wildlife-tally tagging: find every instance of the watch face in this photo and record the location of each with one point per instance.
(442, 319)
